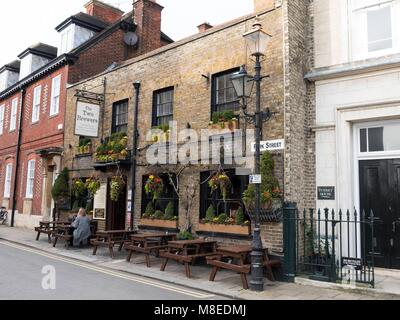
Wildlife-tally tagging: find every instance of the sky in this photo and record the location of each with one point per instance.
(26, 22)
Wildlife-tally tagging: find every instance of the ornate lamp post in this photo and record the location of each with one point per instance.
(257, 41)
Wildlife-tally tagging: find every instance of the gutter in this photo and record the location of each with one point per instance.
(136, 85)
(14, 198)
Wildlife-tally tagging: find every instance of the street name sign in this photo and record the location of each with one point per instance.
(270, 145)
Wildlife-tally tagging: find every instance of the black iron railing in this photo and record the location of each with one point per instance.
(330, 246)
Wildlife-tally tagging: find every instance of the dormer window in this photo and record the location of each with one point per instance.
(67, 37)
(35, 57)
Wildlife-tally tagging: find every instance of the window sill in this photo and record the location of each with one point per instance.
(224, 228)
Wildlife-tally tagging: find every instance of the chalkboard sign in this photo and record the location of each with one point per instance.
(326, 193)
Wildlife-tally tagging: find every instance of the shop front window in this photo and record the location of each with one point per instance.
(233, 200)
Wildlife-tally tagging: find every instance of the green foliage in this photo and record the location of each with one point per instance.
(110, 150)
(149, 209)
(169, 211)
(210, 214)
(84, 142)
(159, 215)
(185, 235)
(116, 185)
(219, 116)
(163, 127)
(223, 218)
(61, 185)
(239, 216)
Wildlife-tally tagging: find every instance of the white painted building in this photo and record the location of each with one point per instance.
(357, 79)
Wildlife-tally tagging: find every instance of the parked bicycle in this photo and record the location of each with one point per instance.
(3, 215)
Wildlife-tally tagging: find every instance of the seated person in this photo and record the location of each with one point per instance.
(81, 227)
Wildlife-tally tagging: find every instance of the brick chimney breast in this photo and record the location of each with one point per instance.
(204, 27)
(103, 11)
(261, 5)
(147, 17)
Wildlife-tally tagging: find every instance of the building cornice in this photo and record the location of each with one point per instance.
(354, 68)
(48, 68)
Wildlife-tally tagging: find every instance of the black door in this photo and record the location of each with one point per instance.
(116, 210)
(379, 191)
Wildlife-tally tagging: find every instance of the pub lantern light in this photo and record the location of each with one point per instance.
(257, 39)
(242, 83)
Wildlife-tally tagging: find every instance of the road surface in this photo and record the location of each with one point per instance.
(28, 274)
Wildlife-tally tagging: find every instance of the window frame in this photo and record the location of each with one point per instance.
(155, 118)
(8, 180)
(146, 199)
(372, 154)
(30, 178)
(36, 104)
(360, 30)
(214, 78)
(206, 197)
(55, 106)
(2, 118)
(114, 125)
(14, 114)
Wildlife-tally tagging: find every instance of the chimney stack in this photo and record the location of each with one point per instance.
(261, 5)
(147, 16)
(204, 27)
(103, 11)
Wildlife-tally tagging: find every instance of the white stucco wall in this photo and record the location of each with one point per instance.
(341, 103)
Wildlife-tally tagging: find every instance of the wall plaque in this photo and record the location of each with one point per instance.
(326, 193)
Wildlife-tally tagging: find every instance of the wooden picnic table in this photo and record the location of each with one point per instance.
(63, 231)
(48, 227)
(147, 243)
(240, 255)
(187, 251)
(111, 238)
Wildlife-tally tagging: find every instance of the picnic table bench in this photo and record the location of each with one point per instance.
(187, 252)
(110, 239)
(240, 254)
(48, 227)
(64, 231)
(147, 243)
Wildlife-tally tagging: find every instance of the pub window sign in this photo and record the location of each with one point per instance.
(326, 193)
(87, 119)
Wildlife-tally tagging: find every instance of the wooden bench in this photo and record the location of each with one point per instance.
(48, 231)
(62, 233)
(147, 251)
(109, 239)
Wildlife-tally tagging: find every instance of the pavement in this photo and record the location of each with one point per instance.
(227, 283)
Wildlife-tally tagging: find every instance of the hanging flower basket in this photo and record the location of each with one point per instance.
(220, 180)
(154, 186)
(117, 183)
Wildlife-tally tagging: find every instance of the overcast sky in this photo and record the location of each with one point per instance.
(25, 22)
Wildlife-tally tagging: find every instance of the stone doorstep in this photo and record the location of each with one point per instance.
(343, 287)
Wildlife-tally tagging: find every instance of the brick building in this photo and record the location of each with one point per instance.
(33, 97)
(178, 82)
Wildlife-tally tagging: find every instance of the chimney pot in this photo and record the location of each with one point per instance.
(204, 27)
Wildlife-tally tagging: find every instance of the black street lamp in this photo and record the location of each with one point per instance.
(257, 41)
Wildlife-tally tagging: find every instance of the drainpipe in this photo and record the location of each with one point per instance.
(14, 198)
(136, 85)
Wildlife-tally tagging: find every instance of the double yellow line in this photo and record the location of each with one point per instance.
(116, 274)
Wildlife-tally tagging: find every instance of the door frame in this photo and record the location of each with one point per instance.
(357, 156)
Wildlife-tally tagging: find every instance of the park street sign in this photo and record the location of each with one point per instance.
(270, 145)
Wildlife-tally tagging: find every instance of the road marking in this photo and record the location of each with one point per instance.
(85, 265)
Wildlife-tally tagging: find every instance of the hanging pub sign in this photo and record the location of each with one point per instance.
(326, 193)
(87, 119)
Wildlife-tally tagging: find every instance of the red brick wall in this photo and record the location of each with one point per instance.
(103, 12)
(43, 134)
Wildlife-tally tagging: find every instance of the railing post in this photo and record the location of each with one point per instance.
(289, 240)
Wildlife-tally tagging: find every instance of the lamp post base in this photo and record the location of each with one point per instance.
(257, 274)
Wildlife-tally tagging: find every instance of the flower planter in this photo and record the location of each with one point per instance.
(167, 224)
(227, 125)
(224, 228)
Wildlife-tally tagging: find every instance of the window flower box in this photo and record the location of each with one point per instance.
(167, 224)
(230, 125)
(225, 228)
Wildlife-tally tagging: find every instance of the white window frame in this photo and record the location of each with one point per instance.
(37, 96)
(30, 179)
(55, 95)
(13, 114)
(7, 180)
(2, 114)
(360, 31)
(374, 154)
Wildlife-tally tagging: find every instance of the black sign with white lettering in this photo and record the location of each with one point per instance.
(326, 193)
(352, 262)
